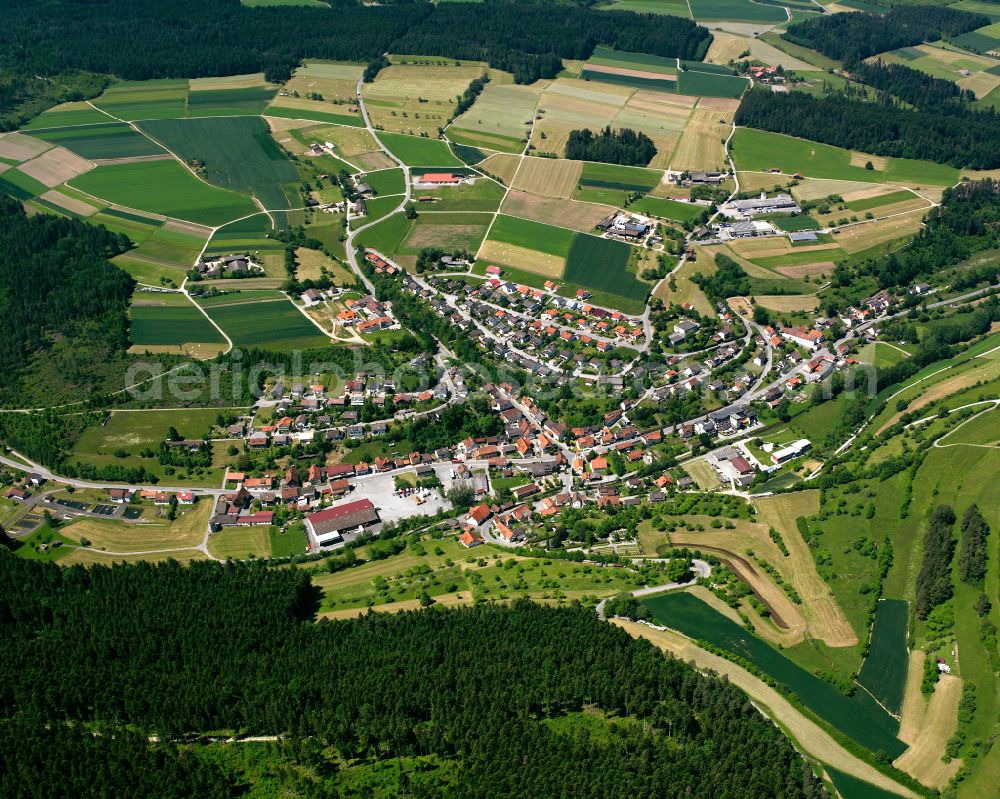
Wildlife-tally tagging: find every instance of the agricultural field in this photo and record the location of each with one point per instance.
(238, 153)
(162, 322)
(701, 145)
(420, 98)
(570, 214)
(167, 188)
(531, 236)
(322, 91)
(484, 194)
(973, 72)
(241, 543)
(760, 151)
(675, 8)
(603, 266)
(496, 121)
(549, 177)
(418, 151)
(617, 178)
(981, 40)
(67, 115)
(858, 717)
(680, 289)
(883, 673)
(263, 319)
(107, 140)
(736, 11)
(673, 210)
(153, 99)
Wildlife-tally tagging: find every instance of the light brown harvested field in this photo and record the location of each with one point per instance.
(911, 718)
(824, 615)
(445, 600)
(880, 162)
(662, 122)
(18, 147)
(570, 214)
(550, 136)
(774, 245)
(989, 370)
(701, 145)
(185, 531)
(724, 104)
(867, 191)
(281, 124)
(638, 73)
(445, 235)
(756, 181)
(901, 207)
(86, 557)
(502, 166)
(347, 141)
(541, 263)
(416, 98)
(549, 177)
(923, 759)
(820, 188)
(855, 238)
(713, 601)
(786, 303)
(726, 47)
(604, 93)
(229, 82)
(677, 105)
(56, 166)
(806, 270)
(71, 204)
(685, 291)
(808, 735)
(374, 161)
(501, 109)
(313, 262)
(971, 174)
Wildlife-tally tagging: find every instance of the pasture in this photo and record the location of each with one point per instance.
(419, 151)
(167, 188)
(700, 82)
(948, 63)
(858, 717)
(238, 153)
(386, 181)
(263, 319)
(883, 674)
(108, 140)
(760, 151)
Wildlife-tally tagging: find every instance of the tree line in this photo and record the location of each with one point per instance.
(496, 691)
(624, 146)
(934, 585)
(960, 137)
(855, 36)
(45, 44)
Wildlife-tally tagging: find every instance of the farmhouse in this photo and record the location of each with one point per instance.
(440, 179)
(328, 526)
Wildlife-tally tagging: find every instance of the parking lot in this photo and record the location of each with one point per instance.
(381, 490)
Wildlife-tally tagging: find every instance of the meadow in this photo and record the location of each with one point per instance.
(760, 151)
(419, 151)
(164, 187)
(699, 82)
(238, 153)
(532, 235)
(386, 181)
(858, 717)
(668, 209)
(152, 99)
(263, 319)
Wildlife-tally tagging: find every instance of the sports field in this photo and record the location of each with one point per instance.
(238, 154)
(883, 673)
(760, 151)
(103, 141)
(263, 319)
(858, 717)
(419, 151)
(164, 187)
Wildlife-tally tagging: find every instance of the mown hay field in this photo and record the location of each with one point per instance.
(549, 177)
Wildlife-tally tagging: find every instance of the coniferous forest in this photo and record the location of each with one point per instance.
(623, 146)
(496, 694)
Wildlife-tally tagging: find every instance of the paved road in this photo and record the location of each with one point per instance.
(701, 568)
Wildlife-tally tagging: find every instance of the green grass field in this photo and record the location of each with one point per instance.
(883, 199)
(606, 56)
(150, 99)
(386, 181)
(21, 186)
(858, 717)
(164, 187)
(601, 264)
(884, 670)
(759, 151)
(666, 83)
(668, 209)
(614, 176)
(263, 319)
(851, 787)
(107, 140)
(238, 153)
(228, 102)
(700, 82)
(171, 324)
(674, 8)
(791, 224)
(315, 115)
(288, 542)
(735, 10)
(66, 115)
(532, 235)
(419, 151)
(483, 195)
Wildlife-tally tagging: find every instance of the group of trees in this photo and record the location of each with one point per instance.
(471, 688)
(912, 86)
(853, 37)
(60, 298)
(972, 559)
(955, 136)
(728, 280)
(624, 146)
(934, 580)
